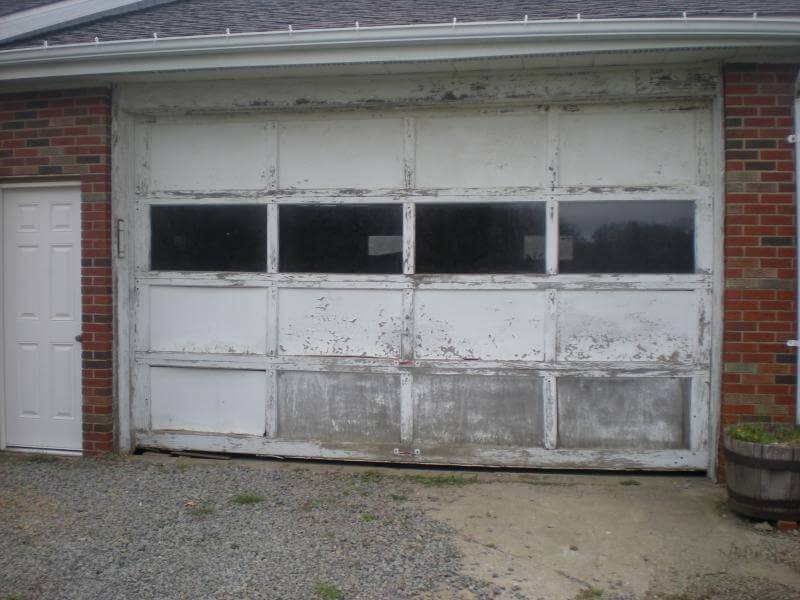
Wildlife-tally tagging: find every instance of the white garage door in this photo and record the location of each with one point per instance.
(516, 286)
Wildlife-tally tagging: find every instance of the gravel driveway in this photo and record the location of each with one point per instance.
(131, 528)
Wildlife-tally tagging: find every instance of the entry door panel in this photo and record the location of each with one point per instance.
(41, 315)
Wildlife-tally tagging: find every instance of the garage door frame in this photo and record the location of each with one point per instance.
(124, 122)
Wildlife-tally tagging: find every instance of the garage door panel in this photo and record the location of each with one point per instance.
(358, 322)
(478, 409)
(636, 413)
(208, 320)
(628, 147)
(627, 326)
(209, 155)
(208, 400)
(341, 153)
(481, 151)
(339, 407)
(487, 325)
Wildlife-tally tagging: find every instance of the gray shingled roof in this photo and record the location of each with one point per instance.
(194, 17)
(9, 7)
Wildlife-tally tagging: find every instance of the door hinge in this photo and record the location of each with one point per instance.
(793, 343)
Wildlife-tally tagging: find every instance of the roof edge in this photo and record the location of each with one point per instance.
(45, 18)
(395, 44)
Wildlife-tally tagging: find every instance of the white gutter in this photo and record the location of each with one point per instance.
(60, 14)
(395, 44)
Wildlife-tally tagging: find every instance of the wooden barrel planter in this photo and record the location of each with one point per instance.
(763, 479)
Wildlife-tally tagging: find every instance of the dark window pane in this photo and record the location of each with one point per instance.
(626, 237)
(341, 239)
(480, 238)
(208, 238)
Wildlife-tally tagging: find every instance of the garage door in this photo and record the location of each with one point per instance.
(517, 286)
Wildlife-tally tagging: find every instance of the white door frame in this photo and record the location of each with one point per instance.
(75, 184)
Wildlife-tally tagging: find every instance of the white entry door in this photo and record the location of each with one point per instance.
(42, 317)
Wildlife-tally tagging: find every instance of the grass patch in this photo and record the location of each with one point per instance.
(630, 482)
(399, 498)
(13, 597)
(759, 434)
(42, 459)
(443, 480)
(247, 498)
(367, 518)
(590, 593)
(326, 591)
(181, 467)
(371, 477)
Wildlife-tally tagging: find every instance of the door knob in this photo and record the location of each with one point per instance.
(79, 338)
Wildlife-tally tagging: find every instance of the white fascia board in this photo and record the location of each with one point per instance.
(58, 14)
(393, 44)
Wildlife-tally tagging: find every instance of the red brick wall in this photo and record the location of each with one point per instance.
(66, 134)
(760, 268)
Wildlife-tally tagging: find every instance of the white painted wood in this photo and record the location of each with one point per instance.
(627, 326)
(699, 414)
(392, 365)
(409, 238)
(346, 153)
(670, 460)
(627, 146)
(550, 411)
(212, 154)
(217, 400)
(406, 408)
(430, 282)
(409, 153)
(271, 404)
(491, 87)
(273, 239)
(208, 320)
(481, 150)
(341, 322)
(126, 138)
(407, 335)
(42, 317)
(479, 325)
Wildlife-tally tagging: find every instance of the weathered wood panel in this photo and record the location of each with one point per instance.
(627, 146)
(207, 155)
(640, 414)
(341, 153)
(208, 320)
(339, 322)
(490, 411)
(479, 325)
(627, 326)
(338, 407)
(481, 150)
(213, 400)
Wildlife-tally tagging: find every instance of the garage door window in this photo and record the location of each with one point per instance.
(341, 239)
(208, 238)
(481, 238)
(626, 237)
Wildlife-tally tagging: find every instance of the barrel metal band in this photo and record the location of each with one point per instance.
(770, 464)
(759, 503)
